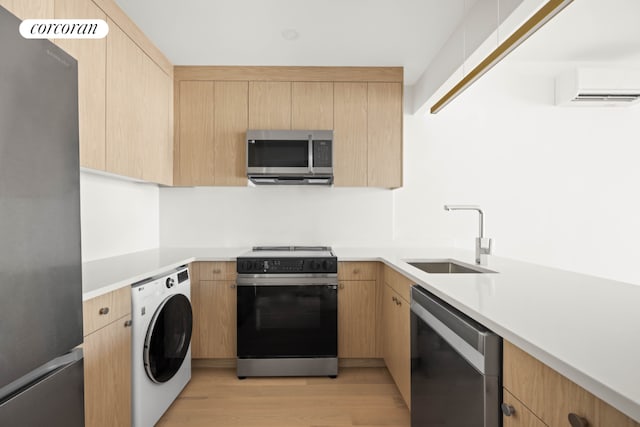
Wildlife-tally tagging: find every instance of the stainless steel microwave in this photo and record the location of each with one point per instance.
(290, 157)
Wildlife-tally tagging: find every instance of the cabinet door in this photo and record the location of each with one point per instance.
(195, 139)
(125, 104)
(29, 9)
(157, 141)
(522, 416)
(214, 319)
(384, 124)
(269, 105)
(357, 319)
(107, 375)
(395, 312)
(312, 105)
(231, 121)
(91, 55)
(350, 134)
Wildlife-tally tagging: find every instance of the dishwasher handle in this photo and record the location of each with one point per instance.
(475, 343)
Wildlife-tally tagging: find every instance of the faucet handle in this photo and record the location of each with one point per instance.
(483, 248)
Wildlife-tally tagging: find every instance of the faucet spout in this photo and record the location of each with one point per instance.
(483, 245)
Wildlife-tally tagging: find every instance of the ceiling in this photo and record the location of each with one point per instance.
(588, 31)
(404, 33)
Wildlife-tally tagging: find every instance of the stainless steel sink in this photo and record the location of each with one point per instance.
(448, 266)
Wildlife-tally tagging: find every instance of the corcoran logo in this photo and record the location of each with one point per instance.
(64, 28)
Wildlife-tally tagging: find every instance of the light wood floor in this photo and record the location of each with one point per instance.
(364, 397)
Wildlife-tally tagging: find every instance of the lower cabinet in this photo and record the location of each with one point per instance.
(396, 338)
(214, 310)
(519, 415)
(357, 319)
(552, 397)
(107, 360)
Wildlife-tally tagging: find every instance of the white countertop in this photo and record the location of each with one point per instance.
(584, 327)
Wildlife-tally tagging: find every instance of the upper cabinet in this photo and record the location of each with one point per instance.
(125, 91)
(29, 9)
(312, 105)
(269, 105)
(363, 106)
(213, 119)
(91, 56)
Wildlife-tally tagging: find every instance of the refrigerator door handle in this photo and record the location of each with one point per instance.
(41, 372)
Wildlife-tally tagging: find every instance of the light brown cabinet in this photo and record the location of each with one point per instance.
(213, 298)
(521, 416)
(363, 107)
(350, 146)
(551, 396)
(107, 359)
(29, 9)
(384, 130)
(357, 331)
(269, 105)
(312, 105)
(125, 104)
(396, 337)
(91, 56)
(213, 120)
(139, 142)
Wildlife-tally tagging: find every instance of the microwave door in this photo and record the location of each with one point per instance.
(278, 156)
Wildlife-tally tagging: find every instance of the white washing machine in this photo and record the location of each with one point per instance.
(161, 343)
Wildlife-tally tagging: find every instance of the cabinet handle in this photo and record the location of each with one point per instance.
(398, 302)
(127, 323)
(217, 271)
(577, 421)
(103, 311)
(394, 299)
(341, 286)
(356, 271)
(233, 286)
(507, 409)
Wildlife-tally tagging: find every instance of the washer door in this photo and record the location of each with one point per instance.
(168, 338)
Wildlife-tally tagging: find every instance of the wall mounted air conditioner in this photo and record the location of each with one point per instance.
(619, 87)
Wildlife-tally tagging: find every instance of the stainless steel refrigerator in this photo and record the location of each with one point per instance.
(41, 375)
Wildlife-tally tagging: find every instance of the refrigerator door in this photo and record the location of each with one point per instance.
(40, 259)
(55, 400)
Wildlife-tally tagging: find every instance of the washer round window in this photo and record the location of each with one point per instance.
(168, 338)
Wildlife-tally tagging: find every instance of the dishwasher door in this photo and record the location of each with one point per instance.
(455, 367)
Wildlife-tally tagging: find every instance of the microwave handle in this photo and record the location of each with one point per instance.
(310, 153)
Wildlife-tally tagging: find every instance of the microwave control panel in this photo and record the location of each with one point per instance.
(322, 154)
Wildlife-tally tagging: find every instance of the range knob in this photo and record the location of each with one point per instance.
(315, 265)
(246, 265)
(169, 282)
(327, 265)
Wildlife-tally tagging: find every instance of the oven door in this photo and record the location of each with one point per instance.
(287, 320)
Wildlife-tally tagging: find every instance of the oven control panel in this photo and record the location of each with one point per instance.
(252, 265)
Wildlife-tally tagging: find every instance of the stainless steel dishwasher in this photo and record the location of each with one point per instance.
(455, 367)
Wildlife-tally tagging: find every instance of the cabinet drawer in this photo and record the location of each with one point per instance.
(217, 270)
(521, 416)
(357, 270)
(104, 309)
(398, 282)
(551, 396)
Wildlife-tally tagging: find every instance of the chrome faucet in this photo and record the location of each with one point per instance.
(483, 244)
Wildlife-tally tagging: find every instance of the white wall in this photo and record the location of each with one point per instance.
(559, 185)
(117, 216)
(246, 216)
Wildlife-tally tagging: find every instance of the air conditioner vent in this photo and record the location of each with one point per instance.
(601, 97)
(598, 87)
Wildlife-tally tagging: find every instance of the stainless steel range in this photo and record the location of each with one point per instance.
(287, 312)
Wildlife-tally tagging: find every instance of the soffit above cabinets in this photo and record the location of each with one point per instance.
(405, 33)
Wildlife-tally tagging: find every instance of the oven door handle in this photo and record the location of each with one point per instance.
(259, 285)
(470, 354)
